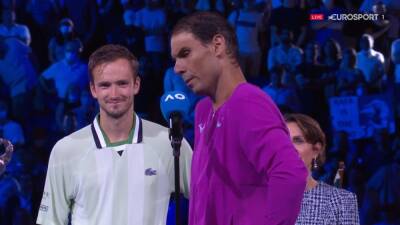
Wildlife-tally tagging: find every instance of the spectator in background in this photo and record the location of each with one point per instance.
(322, 203)
(379, 28)
(382, 195)
(83, 14)
(283, 94)
(371, 63)
(248, 24)
(10, 29)
(153, 22)
(19, 76)
(290, 17)
(75, 111)
(395, 68)
(285, 54)
(128, 34)
(332, 55)
(70, 70)
(42, 19)
(307, 79)
(348, 77)
(392, 14)
(65, 33)
(44, 14)
(327, 29)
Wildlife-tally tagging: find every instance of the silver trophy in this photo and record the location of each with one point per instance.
(6, 156)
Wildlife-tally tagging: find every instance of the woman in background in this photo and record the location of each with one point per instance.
(322, 203)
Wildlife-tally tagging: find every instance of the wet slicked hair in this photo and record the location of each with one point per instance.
(311, 130)
(110, 53)
(205, 25)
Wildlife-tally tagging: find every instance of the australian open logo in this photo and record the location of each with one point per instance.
(150, 172)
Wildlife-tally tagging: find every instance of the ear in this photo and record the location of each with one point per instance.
(317, 149)
(93, 89)
(219, 45)
(136, 85)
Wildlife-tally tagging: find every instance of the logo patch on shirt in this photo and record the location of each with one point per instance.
(150, 172)
(201, 127)
(43, 208)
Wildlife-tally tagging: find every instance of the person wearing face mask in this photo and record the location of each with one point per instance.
(322, 203)
(70, 70)
(65, 33)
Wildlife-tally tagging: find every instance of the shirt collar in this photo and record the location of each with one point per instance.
(100, 139)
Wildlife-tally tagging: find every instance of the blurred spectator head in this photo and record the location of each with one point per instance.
(349, 58)
(66, 27)
(286, 36)
(310, 134)
(72, 51)
(332, 49)
(129, 17)
(311, 52)
(379, 8)
(8, 16)
(329, 4)
(366, 42)
(395, 52)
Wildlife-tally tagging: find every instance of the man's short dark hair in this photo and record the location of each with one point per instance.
(205, 25)
(110, 53)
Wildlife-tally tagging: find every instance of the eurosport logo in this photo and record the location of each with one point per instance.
(347, 17)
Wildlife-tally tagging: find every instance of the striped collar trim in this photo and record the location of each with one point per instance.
(100, 140)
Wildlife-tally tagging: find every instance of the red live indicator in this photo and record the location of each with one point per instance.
(316, 16)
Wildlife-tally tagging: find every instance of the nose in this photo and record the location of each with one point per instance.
(113, 91)
(179, 68)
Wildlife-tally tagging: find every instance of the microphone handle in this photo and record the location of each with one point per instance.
(176, 131)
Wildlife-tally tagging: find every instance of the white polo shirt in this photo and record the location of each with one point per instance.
(127, 184)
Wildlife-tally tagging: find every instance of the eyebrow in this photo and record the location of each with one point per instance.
(297, 137)
(181, 52)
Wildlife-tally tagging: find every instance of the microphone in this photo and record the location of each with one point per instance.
(174, 107)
